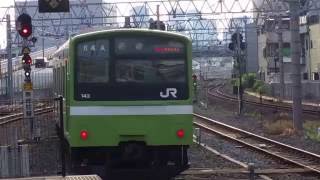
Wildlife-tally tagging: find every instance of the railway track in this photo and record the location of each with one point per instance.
(9, 109)
(216, 92)
(15, 129)
(286, 153)
(14, 107)
(18, 116)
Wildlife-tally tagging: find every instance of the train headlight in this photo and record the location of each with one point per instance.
(84, 135)
(180, 133)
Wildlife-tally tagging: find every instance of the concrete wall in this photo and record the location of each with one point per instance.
(267, 63)
(310, 90)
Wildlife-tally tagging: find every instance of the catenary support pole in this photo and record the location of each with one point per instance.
(296, 72)
(9, 43)
(280, 57)
(239, 61)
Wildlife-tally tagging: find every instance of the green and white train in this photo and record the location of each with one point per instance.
(128, 97)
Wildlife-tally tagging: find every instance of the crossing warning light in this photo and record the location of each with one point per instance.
(24, 25)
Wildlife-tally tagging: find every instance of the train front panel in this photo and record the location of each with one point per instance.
(129, 85)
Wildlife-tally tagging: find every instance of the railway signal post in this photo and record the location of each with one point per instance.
(237, 45)
(24, 28)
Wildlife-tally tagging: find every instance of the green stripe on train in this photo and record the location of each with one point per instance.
(111, 130)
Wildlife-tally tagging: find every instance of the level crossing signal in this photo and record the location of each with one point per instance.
(24, 25)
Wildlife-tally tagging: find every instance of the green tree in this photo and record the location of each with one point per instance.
(260, 87)
(248, 80)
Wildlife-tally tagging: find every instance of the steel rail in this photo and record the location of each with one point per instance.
(18, 116)
(215, 92)
(245, 166)
(271, 147)
(7, 110)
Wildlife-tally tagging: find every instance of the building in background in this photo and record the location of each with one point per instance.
(57, 27)
(140, 16)
(268, 43)
(312, 43)
(201, 30)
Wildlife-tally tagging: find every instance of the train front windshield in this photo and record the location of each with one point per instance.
(131, 68)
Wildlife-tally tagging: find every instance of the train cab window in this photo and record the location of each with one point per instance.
(149, 60)
(93, 61)
(146, 71)
(138, 68)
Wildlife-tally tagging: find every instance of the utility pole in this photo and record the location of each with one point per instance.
(9, 44)
(295, 55)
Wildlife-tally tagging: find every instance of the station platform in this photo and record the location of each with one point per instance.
(73, 177)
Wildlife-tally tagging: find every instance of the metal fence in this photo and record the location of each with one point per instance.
(41, 78)
(31, 147)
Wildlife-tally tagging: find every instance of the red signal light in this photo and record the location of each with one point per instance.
(180, 133)
(26, 59)
(25, 31)
(84, 135)
(24, 25)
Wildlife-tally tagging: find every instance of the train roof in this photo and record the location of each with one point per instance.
(131, 30)
(61, 48)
